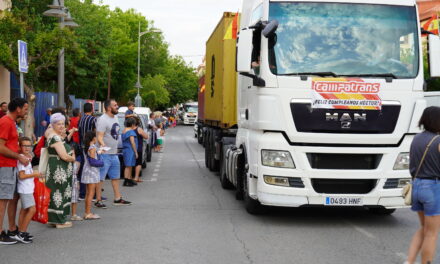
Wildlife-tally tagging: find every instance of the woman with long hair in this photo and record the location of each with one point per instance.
(425, 170)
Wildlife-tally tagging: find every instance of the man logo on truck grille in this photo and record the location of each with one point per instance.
(346, 119)
(212, 75)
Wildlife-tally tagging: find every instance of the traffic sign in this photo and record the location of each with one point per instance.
(22, 57)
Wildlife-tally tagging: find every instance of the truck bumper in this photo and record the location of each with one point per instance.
(378, 196)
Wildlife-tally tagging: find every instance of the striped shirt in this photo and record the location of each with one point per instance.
(86, 123)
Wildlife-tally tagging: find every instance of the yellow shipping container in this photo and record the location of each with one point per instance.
(221, 77)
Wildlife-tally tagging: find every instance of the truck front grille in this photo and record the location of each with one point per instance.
(311, 120)
(344, 161)
(343, 186)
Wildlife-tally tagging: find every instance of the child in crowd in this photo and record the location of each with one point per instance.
(90, 174)
(75, 190)
(129, 152)
(25, 189)
(160, 132)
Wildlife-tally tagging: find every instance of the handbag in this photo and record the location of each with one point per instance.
(42, 199)
(407, 189)
(44, 160)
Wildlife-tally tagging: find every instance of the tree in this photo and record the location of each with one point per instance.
(25, 22)
(182, 81)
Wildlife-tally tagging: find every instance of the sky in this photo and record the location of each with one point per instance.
(186, 24)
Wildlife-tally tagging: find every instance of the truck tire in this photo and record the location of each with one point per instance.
(149, 153)
(253, 207)
(215, 164)
(145, 157)
(199, 136)
(207, 149)
(381, 211)
(211, 144)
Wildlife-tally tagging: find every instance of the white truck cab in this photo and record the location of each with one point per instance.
(329, 98)
(190, 113)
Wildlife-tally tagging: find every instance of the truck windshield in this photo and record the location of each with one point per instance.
(345, 39)
(191, 109)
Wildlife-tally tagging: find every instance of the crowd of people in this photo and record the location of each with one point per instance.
(81, 152)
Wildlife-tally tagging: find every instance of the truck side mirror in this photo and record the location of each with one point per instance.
(244, 51)
(434, 55)
(270, 28)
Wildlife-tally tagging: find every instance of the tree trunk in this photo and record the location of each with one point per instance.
(109, 81)
(69, 103)
(29, 124)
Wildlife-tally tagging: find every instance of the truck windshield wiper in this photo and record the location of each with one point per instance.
(320, 74)
(388, 76)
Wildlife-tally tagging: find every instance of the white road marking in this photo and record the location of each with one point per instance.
(152, 180)
(199, 160)
(156, 170)
(362, 230)
(155, 174)
(157, 165)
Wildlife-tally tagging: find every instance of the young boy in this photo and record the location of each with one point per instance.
(25, 189)
(160, 133)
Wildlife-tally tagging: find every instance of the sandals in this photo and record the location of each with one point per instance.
(91, 217)
(76, 218)
(65, 225)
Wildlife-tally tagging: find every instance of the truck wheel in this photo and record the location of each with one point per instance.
(215, 164)
(149, 153)
(381, 211)
(226, 184)
(199, 136)
(144, 159)
(207, 163)
(253, 207)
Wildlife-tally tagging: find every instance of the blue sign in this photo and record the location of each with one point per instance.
(22, 57)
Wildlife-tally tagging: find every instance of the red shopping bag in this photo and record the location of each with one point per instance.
(42, 199)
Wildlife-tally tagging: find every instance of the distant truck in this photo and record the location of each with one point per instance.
(189, 114)
(317, 103)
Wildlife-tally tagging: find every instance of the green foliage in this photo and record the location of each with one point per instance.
(153, 92)
(105, 44)
(433, 84)
(182, 81)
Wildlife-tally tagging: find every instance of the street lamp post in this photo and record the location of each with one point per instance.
(65, 19)
(138, 98)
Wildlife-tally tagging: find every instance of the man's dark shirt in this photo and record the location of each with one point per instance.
(86, 123)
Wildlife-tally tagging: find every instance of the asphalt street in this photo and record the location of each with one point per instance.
(180, 214)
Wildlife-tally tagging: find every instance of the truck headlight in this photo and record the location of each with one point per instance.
(274, 180)
(402, 161)
(280, 159)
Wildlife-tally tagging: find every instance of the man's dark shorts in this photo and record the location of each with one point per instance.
(8, 182)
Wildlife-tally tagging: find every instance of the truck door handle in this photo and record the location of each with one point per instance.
(247, 114)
